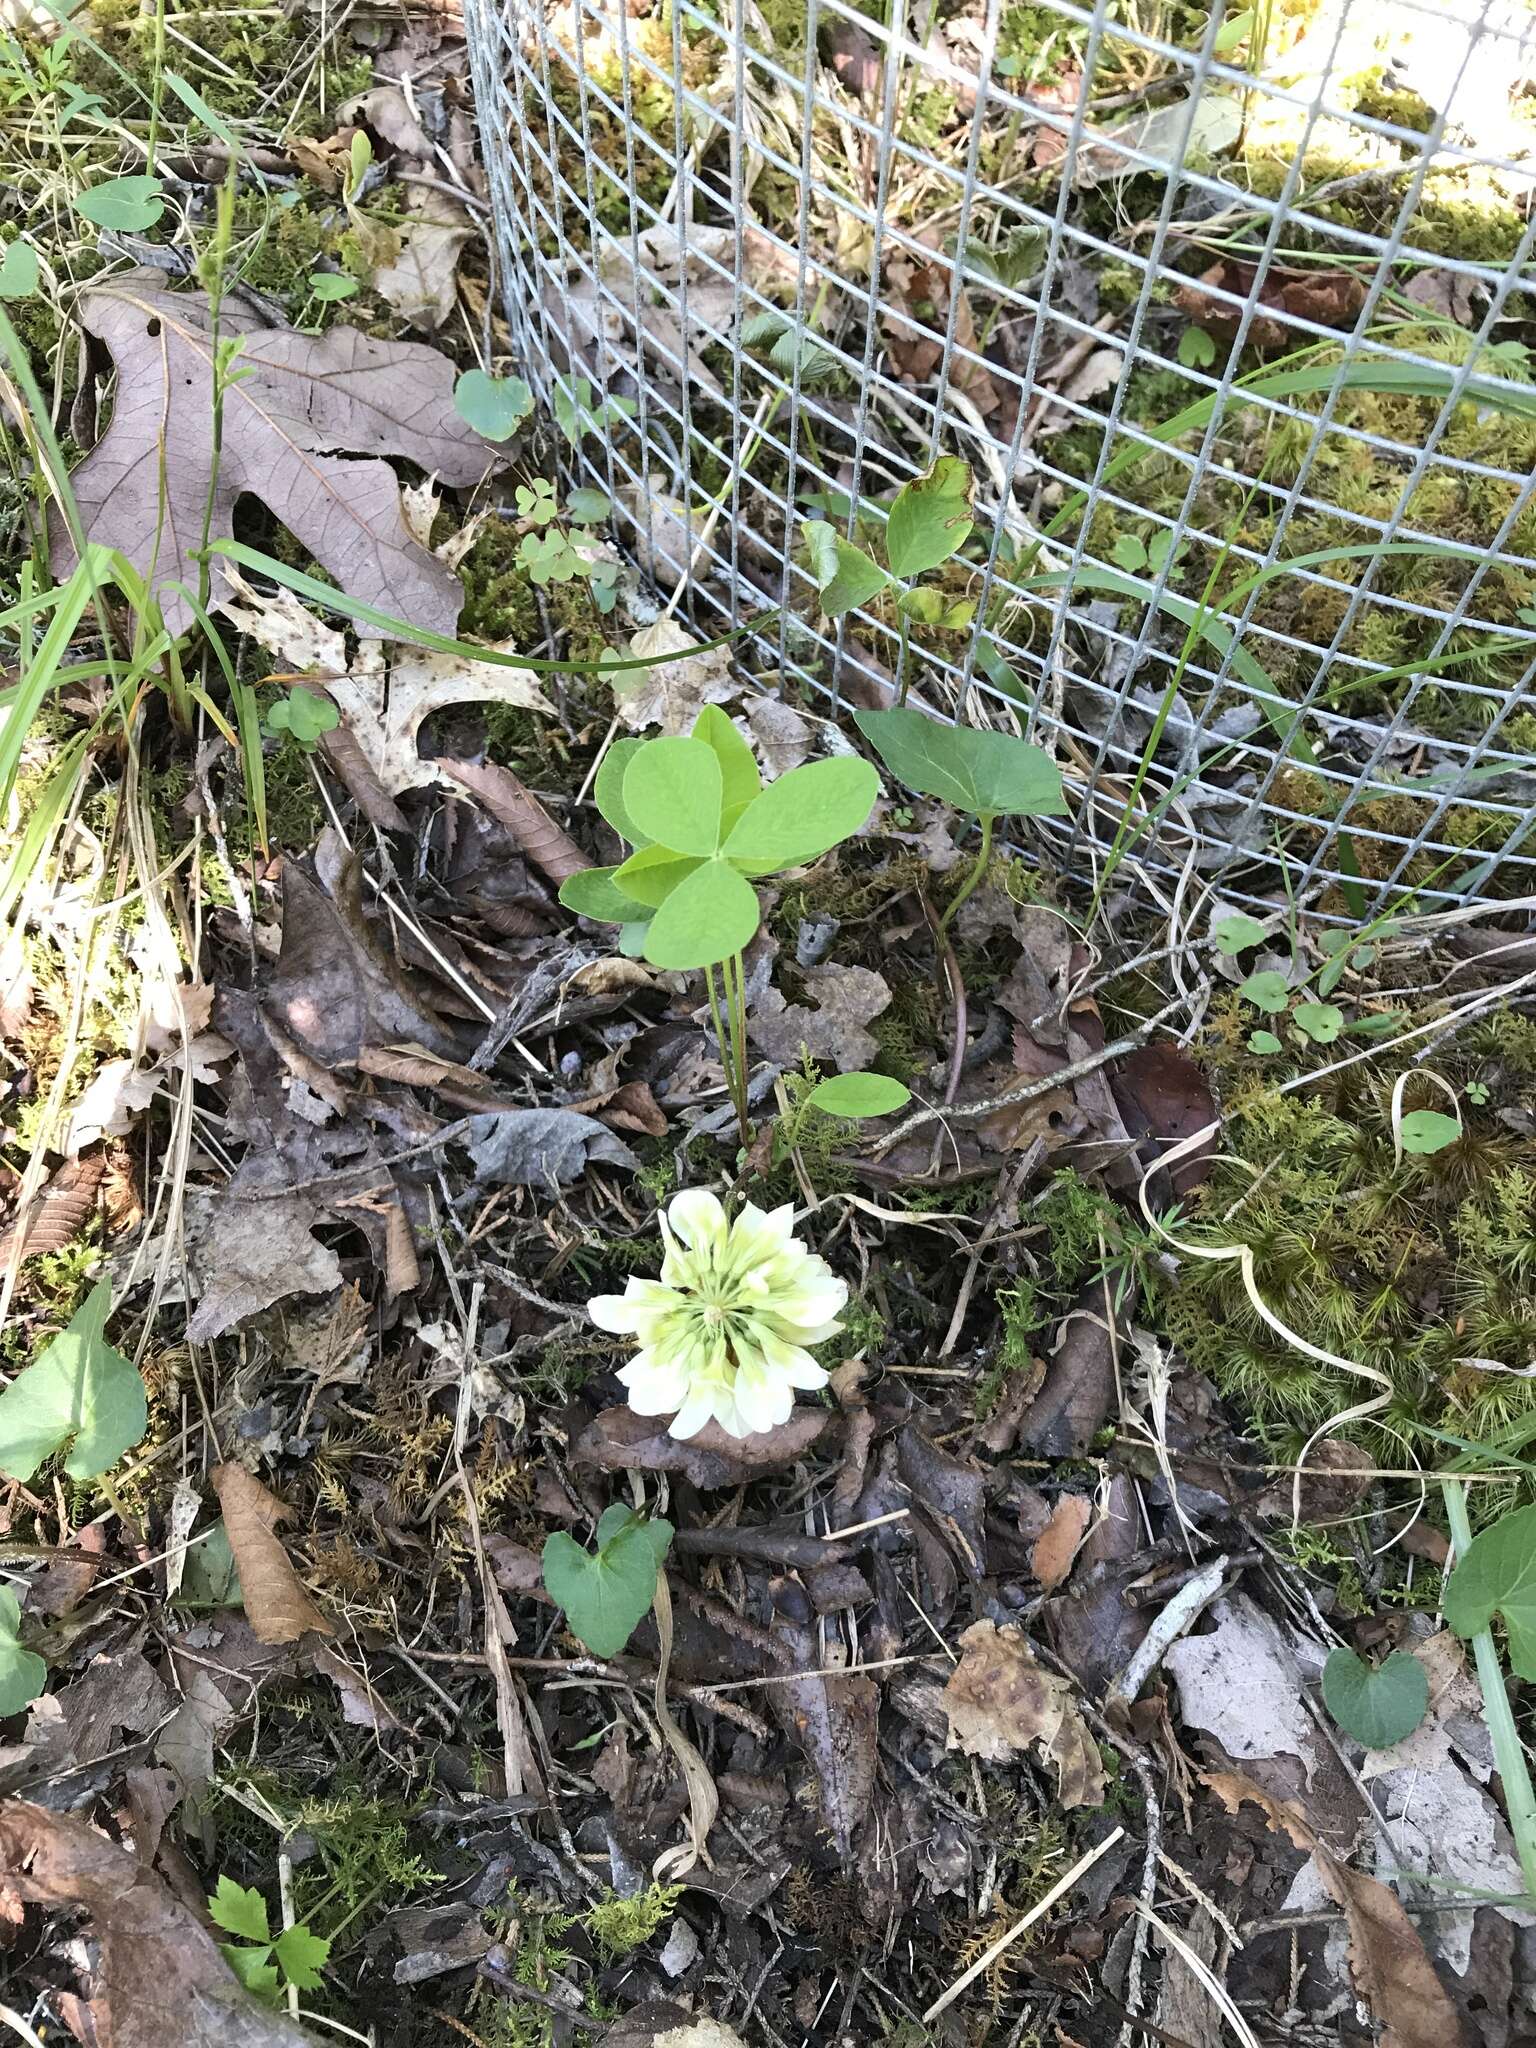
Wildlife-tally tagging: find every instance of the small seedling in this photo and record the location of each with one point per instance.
(989, 774)
(494, 406)
(303, 716)
(1013, 262)
(1131, 552)
(537, 501)
(930, 521)
(1268, 991)
(1197, 350)
(1352, 952)
(578, 413)
(127, 204)
(1238, 933)
(1426, 1131)
(265, 1963)
(607, 1593)
(1476, 1092)
(790, 348)
(330, 287)
(78, 1393)
(1379, 1704)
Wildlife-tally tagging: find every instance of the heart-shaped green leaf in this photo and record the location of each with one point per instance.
(594, 893)
(130, 204)
(930, 518)
(608, 790)
(856, 1095)
(1497, 1575)
(653, 873)
(23, 1674)
(708, 917)
(990, 773)
(79, 1392)
(1269, 991)
(1378, 1704)
(739, 779)
(798, 817)
(18, 271)
(673, 791)
(1235, 934)
(845, 575)
(493, 406)
(607, 1595)
(1428, 1130)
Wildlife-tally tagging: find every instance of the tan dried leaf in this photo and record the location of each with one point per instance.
(833, 1033)
(153, 476)
(999, 1701)
(1051, 1559)
(276, 1605)
(672, 696)
(422, 281)
(510, 804)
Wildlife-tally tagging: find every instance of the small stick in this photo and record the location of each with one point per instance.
(989, 1956)
(858, 1528)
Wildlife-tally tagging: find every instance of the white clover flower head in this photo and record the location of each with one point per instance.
(724, 1331)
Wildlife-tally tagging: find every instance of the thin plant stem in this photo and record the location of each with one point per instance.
(1508, 1753)
(903, 679)
(726, 1040)
(968, 886)
(736, 1006)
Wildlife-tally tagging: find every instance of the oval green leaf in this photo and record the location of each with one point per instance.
(608, 790)
(652, 874)
(1497, 1575)
(18, 271)
(707, 918)
(1424, 1131)
(494, 406)
(673, 791)
(930, 519)
(1378, 1704)
(739, 779)
(124, 203)
(798, 817)
(1269, 991)
(858, 1095)
(984, 772)
(594, 893)
(845, 575)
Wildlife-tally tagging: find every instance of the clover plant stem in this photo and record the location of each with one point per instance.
(968, 886)
(735, 1079)
(1508, 1753)
(736, 1004)
(903, 680)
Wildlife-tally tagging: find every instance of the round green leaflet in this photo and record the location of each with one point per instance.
(494, 406)
(707, 918)
(594, 893)
(1378, 1704)
(797, 818)
(673, 791)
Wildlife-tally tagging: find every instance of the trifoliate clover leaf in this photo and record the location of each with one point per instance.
(79, 1392)
(1378, 1704)
(607, 1595)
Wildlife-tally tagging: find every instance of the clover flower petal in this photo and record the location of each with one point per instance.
(722, 1335)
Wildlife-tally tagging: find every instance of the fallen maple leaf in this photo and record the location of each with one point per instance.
(148, 485)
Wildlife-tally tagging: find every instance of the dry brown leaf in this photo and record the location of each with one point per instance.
(159, 1977)
(57, 1213)
(16, 986)
(1051, 1558)
(999, 1701)
(523, 815)
(154, 477)
(620, 1438)
(383, 700)
(629, 1107)
(833, 1033)
(1079, 1383)
(421, 282)
(1392, 1971)
(673, 695)
(1328, 298)
(276, 1605)
(833, 1720)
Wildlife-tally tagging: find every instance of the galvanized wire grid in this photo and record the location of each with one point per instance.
(647, 299)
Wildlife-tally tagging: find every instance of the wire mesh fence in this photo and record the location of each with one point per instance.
(1226, 311)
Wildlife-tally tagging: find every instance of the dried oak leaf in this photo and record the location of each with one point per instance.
(619, 1439)
(159, 1976)
(833, 1033)
(148, 484)
(999, 1701)
(1392, 1971)
(276, 1605)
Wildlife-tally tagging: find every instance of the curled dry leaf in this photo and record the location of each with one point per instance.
(833, 1719)
(999, 1701)
(159, 1976)
(1079, 1382)
(149, 482)
(520, 811)
(1055, 1548)
(277, 1606)
(1162, 1095)
(619, 1439)
(1392, 1971)
(1327, 298)
(421, 282)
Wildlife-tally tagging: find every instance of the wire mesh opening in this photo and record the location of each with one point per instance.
(1227, 311)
